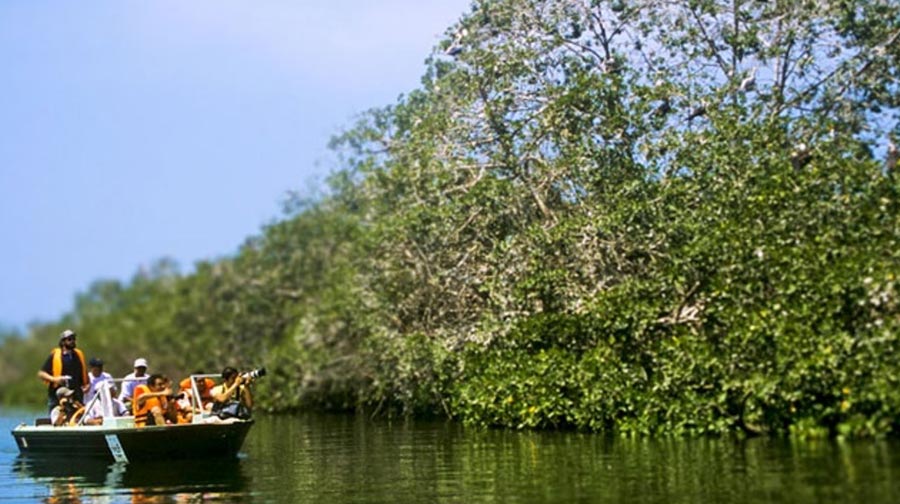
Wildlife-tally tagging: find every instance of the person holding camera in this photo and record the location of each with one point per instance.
(232, 398)
(67, 407)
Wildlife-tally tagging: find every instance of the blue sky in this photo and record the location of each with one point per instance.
(135, 130)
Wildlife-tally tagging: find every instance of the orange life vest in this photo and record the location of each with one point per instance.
(141, 412)
(205, 393)
(57, 364)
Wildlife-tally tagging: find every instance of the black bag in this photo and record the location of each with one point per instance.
(232, 409)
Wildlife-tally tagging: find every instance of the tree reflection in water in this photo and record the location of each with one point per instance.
(324, 459)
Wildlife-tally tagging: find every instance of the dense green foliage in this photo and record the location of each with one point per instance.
(633, 216)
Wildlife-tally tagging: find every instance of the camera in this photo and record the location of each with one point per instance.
(69, 406)
(252, 375)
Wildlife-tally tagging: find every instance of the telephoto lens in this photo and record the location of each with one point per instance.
(256, 373)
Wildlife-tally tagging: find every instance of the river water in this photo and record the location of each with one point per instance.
(352, 459)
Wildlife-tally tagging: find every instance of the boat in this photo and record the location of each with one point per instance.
(117, 439)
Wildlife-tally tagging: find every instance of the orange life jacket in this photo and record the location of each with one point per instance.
(205, 393)
(57, 364)
(141, 413)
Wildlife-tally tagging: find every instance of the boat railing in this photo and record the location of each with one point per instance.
(103, 396)
(200, 414)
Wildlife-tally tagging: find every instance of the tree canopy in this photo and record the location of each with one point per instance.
(643, 217)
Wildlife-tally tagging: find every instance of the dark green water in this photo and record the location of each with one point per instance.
(345, 459)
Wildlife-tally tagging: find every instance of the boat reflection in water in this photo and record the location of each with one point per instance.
(163, 481)
(118, 461)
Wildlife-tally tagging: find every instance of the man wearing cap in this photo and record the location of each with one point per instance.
(96, 376)
(132, 380)
(66, 406)
(64, 366)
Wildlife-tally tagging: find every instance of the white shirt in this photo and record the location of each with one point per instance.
(95, 381)
(54, 415)
(96, 410)
(130, 383)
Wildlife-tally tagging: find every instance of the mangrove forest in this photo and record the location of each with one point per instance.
(642, 217)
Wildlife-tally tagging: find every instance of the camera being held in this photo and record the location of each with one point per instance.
(69, 406)
(252, 375)
(66, 408)
(233, 398)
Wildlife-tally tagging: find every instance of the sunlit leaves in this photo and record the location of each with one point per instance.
(643, 216)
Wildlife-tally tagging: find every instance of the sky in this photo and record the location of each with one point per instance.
(133, 130)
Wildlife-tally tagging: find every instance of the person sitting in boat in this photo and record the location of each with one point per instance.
(181, 402)
(232, 398)
(66, 408)
(64, 367)
(96, 376)
(184, 405)
(94, 415)
(204, 388)
(178, 409)
(132, 380)
(150, 403)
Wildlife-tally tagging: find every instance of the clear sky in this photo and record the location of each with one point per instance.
(135, 130)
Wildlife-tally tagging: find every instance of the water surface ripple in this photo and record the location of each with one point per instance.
(351, 459)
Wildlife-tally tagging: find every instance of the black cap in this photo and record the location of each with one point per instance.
(95, 362)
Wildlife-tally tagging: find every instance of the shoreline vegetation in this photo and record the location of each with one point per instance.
(635, 217)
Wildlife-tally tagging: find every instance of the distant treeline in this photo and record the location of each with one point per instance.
(641, 217)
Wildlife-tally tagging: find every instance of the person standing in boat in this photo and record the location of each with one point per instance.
(64, 366)
(132, 380)
(96, 376)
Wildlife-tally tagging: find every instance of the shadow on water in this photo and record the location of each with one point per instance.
(163, 481)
